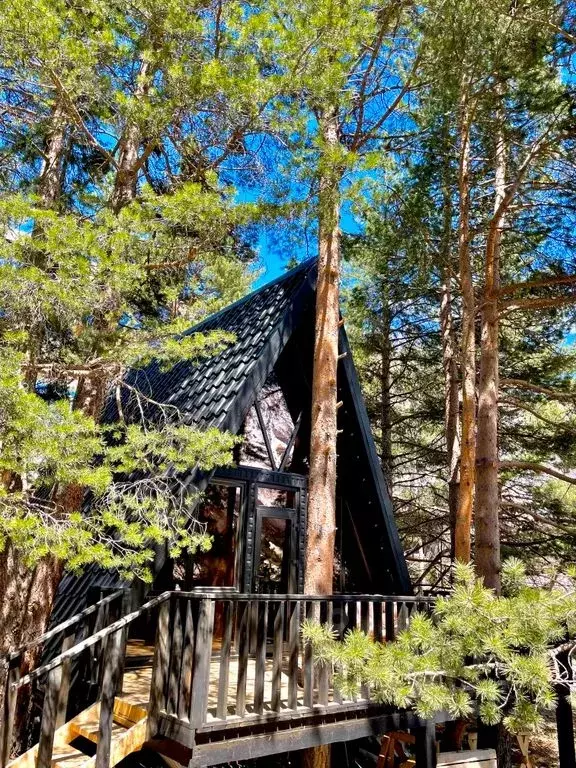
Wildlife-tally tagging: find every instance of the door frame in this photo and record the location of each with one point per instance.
(246, 544)
(278, 513)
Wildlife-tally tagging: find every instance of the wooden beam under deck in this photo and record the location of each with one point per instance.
(274, 739)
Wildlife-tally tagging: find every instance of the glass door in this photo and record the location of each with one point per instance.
(274, 564)
(266, 514)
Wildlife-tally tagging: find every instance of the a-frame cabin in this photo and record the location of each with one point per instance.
(260, 387)
(211, 669)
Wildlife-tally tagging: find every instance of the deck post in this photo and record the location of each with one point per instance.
(49, 714)
(159, 671)
(110, 679)
(426, 745)
(202, 659)
(68, 642)
(565, 726)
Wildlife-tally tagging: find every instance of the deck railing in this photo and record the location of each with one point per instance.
(101, 653)
(222, 659)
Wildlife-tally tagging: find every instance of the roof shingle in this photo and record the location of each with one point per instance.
(204, 391)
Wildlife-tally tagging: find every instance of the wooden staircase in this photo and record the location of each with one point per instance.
(114, 672)
(76, 741)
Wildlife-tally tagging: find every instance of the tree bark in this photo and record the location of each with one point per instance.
(321, 525)
(462, 535)
(451, 403)
(385, 405)
(487, 524)
(27, 593)
(126, 180)
(49, 191)
(26, 599)
(449, 352)
(51, 175)
(322, 477)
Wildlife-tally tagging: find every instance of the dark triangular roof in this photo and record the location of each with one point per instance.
(274, 329)
(218, 391)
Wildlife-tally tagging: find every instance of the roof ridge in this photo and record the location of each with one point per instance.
(303, 266)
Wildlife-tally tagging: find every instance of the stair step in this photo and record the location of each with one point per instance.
(127, 713)
(123, 744)
(67, 756)
(89, 730)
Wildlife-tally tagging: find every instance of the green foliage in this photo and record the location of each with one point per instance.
(135, 474)
(475, 651)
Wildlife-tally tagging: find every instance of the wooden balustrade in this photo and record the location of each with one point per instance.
(235, 656)
(221, 660)
(50, 644)
(104, 648)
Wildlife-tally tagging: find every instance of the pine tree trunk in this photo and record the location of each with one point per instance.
(449, 351)
(487, 524)
(49, 191)
(322, 478)
(25, 617)
(50, 181)
(385, 401)
(462, 535)
(126, 180)
(451, 402)
(321, 526)
(26, 599)
(27, 594)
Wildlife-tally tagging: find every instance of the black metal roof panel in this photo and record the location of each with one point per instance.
(204, 391)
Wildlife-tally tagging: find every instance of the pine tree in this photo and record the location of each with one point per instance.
(91, 287)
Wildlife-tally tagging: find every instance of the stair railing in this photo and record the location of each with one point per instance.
(108, 645)
(68, 628)
(55, 640)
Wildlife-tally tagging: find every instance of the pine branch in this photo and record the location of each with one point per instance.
(521, 384)
(533, 466)
(524, 304)
(519, 404)
(541, 283)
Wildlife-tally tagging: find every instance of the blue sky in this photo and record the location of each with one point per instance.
(274, 256)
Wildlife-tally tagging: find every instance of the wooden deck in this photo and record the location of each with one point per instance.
(228, 678)
(136, 687)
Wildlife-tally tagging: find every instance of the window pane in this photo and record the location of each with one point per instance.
(267, 496)
(274, 556)
(219, 510)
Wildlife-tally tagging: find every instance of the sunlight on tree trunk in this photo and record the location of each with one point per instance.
(487, 524)
(321, 525)
(462, 546)
(322, 477)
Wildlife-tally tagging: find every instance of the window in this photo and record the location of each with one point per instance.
(220, 512)
(268, 496)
